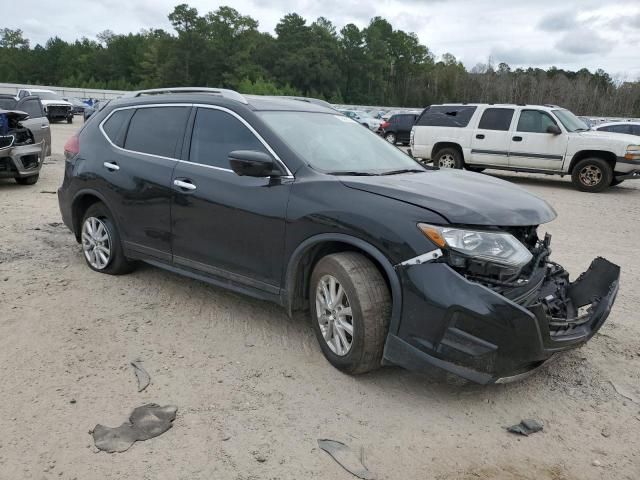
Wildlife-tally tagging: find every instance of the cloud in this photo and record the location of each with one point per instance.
(557, 22)
(584, 41)
(527, 57)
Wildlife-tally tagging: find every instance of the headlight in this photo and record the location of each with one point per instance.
(496, 247)
(633, 152)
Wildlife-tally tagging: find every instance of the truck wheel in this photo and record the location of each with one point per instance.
(69, 119)
(391, 138)
(350, 310)
(592, 175)
(448, 158)
(31, 180)
(101, 242)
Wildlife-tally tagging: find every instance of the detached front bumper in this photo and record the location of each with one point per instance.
(473, 331)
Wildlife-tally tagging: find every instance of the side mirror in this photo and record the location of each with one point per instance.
(249, 163)
(554, 129)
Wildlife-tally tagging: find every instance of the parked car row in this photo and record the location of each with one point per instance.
(525, 138)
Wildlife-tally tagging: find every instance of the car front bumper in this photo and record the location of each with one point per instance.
(470, 330)
(21, 160)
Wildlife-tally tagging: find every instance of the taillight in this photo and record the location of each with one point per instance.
(72, 147)
(385, 125)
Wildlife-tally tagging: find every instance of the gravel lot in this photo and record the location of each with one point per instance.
(253, 390)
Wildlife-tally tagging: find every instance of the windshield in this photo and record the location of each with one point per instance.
(47, 96)
(336, 144)
(570, 121)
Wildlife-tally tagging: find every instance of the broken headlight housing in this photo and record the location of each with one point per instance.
(496, 247)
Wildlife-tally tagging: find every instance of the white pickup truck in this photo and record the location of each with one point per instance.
(525, 138)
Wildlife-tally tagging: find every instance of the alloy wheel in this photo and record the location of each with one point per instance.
(447, 161)
(96, 243)
(590, 176)
(334, 315)
(390, 137)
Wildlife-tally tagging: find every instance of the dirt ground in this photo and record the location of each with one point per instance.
(252, 388)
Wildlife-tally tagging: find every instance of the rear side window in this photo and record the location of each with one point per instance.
(157, 130)
(534, 121)
(496, 119)
(446, 116)
(216, 134)
(620, 128)
(32, 107)
(635, 129)
(116, 124)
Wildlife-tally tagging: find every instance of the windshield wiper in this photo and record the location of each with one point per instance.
(403, 170)
(352, 173)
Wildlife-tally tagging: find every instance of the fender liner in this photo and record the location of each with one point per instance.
(94, 193)
(394, 281)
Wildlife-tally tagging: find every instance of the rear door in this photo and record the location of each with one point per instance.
(37, 121)
(531, 145)
(405, 125)
(492, 137)
(136, 171)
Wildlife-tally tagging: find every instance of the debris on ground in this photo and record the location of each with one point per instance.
(346, 457)
(141, 374)
(145, 422)
(620, 390)
(526, 427)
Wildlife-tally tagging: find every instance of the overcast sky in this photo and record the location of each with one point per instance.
(569, 34)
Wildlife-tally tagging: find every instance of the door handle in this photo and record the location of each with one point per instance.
(517, 139)
(186, 185)
(111, 166)
(44, 126)
(480, 136)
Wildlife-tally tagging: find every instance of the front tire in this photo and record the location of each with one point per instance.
(31, 180)
(101, 244)
(69, 119)
(448, 158)
(592, 175)
(350, 309)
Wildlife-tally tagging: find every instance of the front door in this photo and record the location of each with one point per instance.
(532, 146)
(491, 138)
(37, 122)
(228, 226)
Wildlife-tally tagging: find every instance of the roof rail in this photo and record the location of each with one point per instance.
(223, 92)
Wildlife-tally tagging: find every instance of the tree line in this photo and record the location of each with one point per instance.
(375, 65)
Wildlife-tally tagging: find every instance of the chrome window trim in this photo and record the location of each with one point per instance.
(288, 174)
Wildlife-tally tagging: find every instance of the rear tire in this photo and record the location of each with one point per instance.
(365, 297)
(592, 175)
(391, 138)
(31, 180)
(101, 244)
(448, 158)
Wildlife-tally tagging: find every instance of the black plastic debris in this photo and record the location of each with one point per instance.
(526, 427)
(144, 423)
(141, 374)
(346, 457)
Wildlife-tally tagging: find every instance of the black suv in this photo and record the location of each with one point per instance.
(398, 128)
(288, 201)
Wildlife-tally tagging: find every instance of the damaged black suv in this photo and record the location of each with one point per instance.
(289, 201)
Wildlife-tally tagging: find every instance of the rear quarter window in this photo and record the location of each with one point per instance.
(446, 116)
(115, 126)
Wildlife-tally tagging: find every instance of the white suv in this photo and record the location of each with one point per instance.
(525, 138)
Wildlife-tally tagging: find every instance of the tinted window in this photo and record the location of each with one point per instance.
(635, 129)
(534, 121)
(32, 107)
(115, 126)
(157, 130)
(604, 129)
(620, 128)
(215, 134)
(446, 116)
(496, 119)
(8, 103)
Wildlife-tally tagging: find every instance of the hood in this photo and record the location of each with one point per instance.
(463, 198)
(56, 102)
(14, 114)
(623, 138)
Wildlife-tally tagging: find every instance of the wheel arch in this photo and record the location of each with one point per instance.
(82, 200)
(605, 155)
(440, 145)
(309, 252)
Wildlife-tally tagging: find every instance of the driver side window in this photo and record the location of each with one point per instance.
(534, 121)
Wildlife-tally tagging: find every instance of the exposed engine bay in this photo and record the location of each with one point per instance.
(20, 155)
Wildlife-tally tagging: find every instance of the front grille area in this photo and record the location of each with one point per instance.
(6, 165)
(57, 111)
